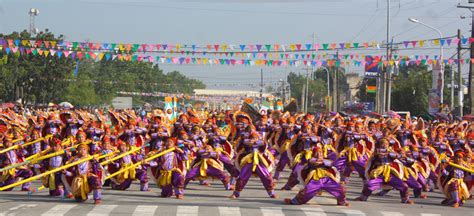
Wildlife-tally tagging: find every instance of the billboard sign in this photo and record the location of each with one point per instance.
(122, 103)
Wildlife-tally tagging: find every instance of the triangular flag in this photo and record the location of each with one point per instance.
(268, 47)
(292, 47)
(448, 41)
(421, 43)
(276, 47)
(298, 46)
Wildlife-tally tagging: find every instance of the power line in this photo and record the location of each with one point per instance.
(238, 11)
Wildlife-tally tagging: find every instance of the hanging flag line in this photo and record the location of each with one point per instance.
(132, 48)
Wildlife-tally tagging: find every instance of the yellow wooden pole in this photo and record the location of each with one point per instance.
(63, 144)
(139, 163)
(134, 149)
(461, 167)
(46, 173)
(24, 145)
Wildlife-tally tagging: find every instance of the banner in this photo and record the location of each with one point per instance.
(435, 97)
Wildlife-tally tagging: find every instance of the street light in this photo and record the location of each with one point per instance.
(413, 20)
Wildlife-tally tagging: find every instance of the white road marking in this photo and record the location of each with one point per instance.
(61, 209)
(229, 211)
(187, 211)
(17, 207)
(385, 213)
(428, 214)
(313, 211)
(272, 211)
(101, 210)
(21, 206)
(145, 210)
(352, 212)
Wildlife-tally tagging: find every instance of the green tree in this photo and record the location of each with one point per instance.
(410, 89)
(39, 79)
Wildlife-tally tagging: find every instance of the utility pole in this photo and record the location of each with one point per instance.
(303, 102)
(261, 86)
(386, 79)
(306, 95)
(336, 84)
(389, 77)
(471, 66)
(460, 86)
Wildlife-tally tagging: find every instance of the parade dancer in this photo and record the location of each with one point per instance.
(319, 175)
(283, 137)
(169, 171)
(254, 158)
(56, 182)
(224, 151)
(125, 179)
(452, 181)
(356, 146)
(13, 175)
(384, 169)
(302, 149)
(206, 165)
(86, 177)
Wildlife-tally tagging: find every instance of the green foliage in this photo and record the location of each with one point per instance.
(51, 79)
(410, 89)
(317, 89)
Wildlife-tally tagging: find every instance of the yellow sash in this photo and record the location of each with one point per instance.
(80, 186)
(7, 173)
(307, 154)
(129, 173)
(319, 173)
(409, 172)
(352, 154)
(383, 170)
(205, 163)
(166, 176)
(254, 158)
(462, 188)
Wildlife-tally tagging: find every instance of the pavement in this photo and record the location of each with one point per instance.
(213, 201)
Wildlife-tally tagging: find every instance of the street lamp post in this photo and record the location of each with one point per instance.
(413, 20)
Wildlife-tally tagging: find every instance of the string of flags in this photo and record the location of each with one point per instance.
(267, 56)
(173, 60)
(296, 56)
(213, 98)
(209, 48)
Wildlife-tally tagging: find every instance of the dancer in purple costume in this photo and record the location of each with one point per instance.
(319, 175)
(384, 169)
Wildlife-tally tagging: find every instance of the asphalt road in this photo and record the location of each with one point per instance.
(213, 201)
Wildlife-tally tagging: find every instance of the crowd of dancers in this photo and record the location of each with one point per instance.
(76, 152)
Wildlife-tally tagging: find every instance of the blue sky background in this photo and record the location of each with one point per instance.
(237, 22)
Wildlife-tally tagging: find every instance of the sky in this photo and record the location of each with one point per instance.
(239, 22)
